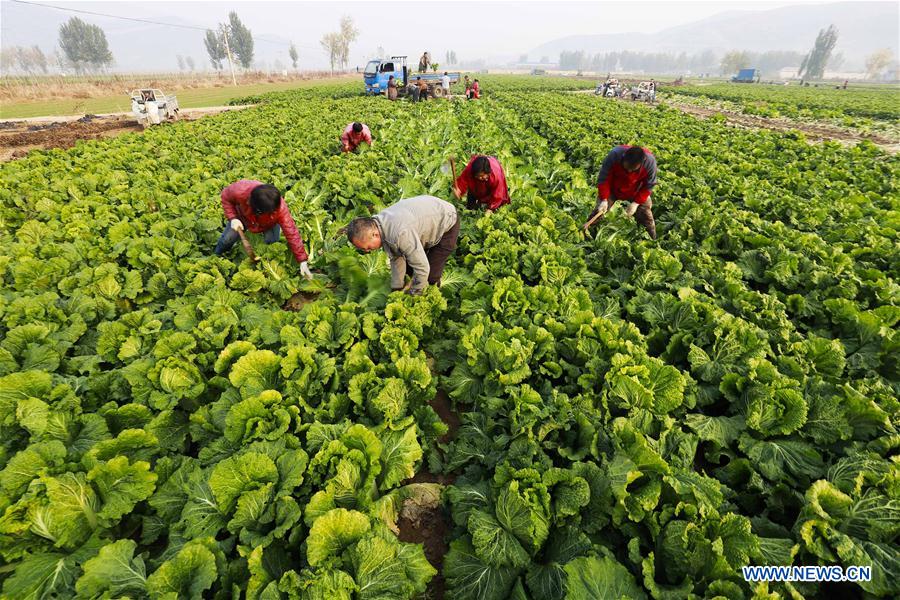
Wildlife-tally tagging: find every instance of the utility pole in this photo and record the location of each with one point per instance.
(228, 53)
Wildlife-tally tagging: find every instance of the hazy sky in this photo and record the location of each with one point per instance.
(472, 29)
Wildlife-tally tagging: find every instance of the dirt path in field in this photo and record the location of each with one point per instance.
(814, 132)
(19, 136)
(429, 525)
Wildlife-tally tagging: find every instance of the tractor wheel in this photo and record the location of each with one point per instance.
(437, 92)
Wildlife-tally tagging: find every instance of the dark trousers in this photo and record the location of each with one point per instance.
(439, 254)
(471, 200)
(644, 216)
(230, 237)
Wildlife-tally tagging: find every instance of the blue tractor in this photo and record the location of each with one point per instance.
(379, 70)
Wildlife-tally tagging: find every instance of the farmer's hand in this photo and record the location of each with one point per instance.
(632, 208)
(304, 270)
(600, 209)
(457, 192)
(237, 225)
(489, 212)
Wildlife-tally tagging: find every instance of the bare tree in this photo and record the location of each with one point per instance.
(813, 65)
(23, 60)
(877, 62)
(331, 43)
(294, 55)
(59, 60)
(180, 60)
(189, 61)
(734, 61)
(348, 35)
(7, 60)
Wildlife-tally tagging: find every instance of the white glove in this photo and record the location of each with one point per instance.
(304, 270)
(237, 225)
(632, 208)
(602, 207)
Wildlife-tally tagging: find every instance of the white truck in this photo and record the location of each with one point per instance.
(152, 107)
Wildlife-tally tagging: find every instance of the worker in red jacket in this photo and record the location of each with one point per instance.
(628, 173)
(483, 182)
(354, 135)
(475, 91)
(259, 208)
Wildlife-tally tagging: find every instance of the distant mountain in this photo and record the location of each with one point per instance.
(864, 27)
(135, 46)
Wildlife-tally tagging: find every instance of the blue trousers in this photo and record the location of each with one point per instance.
(230, 237)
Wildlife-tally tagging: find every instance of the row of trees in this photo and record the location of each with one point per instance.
(185, 62)
(812, 64)
(627, 60)
(30, 61)
(82, 47)
(769, 63)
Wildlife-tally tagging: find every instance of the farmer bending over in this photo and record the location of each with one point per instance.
(260, 208)
(418, 234)
(628, 173)
(483, 182)
(354, 135)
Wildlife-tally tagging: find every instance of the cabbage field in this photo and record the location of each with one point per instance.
(585, 417)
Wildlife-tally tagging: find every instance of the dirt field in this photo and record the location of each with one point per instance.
(813, 131)
(19, 136)
(816, 132)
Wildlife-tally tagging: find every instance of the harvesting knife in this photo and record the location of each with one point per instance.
(248, 248)
(449, 167)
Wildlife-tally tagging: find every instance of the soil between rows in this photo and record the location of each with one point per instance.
(430, 525)
(812, 131)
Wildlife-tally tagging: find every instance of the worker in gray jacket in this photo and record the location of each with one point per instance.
(418, 234)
